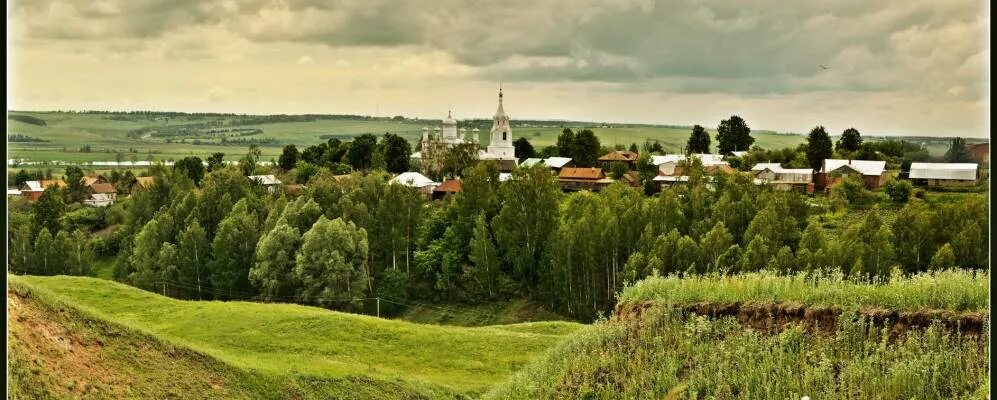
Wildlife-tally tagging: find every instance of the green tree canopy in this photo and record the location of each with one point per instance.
(733, 135)
(957, 152)
(586, 148)
(361, 151)
(818, 147)
(850, 141)
(332, 263)
(192, 167)
(566, 143)
(523, 148)
(48, 210)
(272, 274)
(288, 157)
(395, 151)
(699, 141)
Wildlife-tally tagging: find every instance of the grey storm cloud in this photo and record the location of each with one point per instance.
(695, 46)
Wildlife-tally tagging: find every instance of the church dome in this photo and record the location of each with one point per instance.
(449, 120)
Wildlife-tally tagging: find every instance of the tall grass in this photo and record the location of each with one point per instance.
(956, 290)
(718, 359)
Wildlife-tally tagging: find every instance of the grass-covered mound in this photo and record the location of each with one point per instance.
(664, 349)
(282, 340)
(59, 352)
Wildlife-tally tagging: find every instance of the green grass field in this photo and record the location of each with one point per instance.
(282, 339)
(496, 313)
(65, 133)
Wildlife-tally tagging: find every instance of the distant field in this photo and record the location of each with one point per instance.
(282, 339)
(65, 133)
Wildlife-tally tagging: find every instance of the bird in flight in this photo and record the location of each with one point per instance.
(824, 67)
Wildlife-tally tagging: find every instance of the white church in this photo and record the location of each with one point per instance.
(499, 143)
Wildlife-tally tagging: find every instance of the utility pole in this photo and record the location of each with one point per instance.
(379, 306)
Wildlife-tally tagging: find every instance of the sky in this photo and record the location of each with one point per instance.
(893, 67)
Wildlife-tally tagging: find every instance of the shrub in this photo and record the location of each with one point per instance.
(898, 190)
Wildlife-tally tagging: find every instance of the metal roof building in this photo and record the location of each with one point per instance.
(943, 171)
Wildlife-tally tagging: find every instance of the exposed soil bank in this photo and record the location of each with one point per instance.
(775, 316)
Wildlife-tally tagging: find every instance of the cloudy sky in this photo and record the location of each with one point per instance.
(895, 67)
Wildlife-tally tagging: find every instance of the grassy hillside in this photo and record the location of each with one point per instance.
(290, 340)
(58, 352)
(662, 350)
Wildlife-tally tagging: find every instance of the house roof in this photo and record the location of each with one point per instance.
(294, 188)
(658, 160)
(413, 179)
(103, 188)
(962, 171)
(619, 155)
(13, 192)
(777, 168)
(865, 167)
(557, 162)
(265, 180)
(630, 177)
(145, 181)
(38, 186)
(529, 162)
(449, 186)
(667, 178)
(771, 166)
(707, 159)
(590, 173)
(738, 153)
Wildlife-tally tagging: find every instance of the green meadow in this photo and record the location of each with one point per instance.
(291, 340)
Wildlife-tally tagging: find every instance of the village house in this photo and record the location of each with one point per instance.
(294, 189)
(872, 173)
(90, 180)
(101, 194)
(32, 190)
(268, 181)
(980, 152)
(664, 181)
(944, 174)
(143, 183)
(672, 167)
(627, 158)
(416, 180)
(670, 164)
(448, 187)
(799, 179)
(585, 178)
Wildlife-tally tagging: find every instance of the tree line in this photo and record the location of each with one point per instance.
(343, 238)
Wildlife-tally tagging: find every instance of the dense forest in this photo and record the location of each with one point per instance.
(214, 234)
